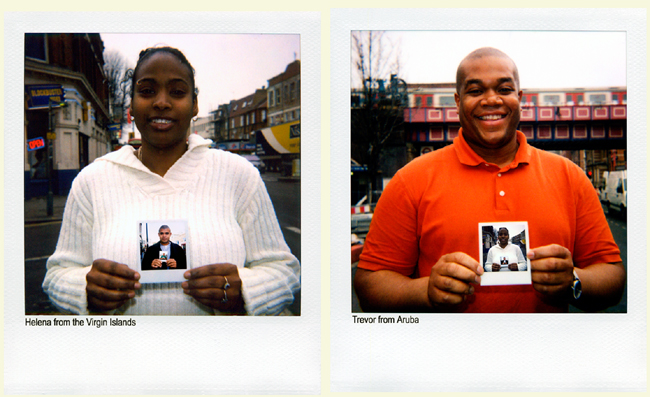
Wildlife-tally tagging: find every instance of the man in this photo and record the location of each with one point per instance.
(421, 252)
(164, 254)
(505, 256)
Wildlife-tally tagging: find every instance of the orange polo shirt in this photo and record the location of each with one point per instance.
(434, 204)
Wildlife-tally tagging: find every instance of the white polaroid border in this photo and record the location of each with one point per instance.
(506, 277)
(151, 228)
(291, 364)
(380, 357)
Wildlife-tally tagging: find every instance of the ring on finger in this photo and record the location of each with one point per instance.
(225, 297)
(227, 285)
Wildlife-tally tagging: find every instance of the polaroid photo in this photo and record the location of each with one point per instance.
(163, 251)
(502, 252)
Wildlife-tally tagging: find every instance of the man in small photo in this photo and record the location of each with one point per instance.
(505, 256)
(174, 253)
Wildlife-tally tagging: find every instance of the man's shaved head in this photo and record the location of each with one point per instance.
(483, 53)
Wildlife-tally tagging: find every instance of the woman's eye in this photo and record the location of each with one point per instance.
(145, 91)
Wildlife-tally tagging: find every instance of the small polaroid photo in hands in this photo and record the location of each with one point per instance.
(502, 253)
(163, 250)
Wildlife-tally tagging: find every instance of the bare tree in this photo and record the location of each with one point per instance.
(115, 68)
(378, 100)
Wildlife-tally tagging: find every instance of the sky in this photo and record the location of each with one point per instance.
(545, 59)
(228, 66)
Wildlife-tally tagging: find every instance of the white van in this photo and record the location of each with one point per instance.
(616, 192)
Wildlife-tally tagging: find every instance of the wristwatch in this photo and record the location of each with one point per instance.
(576, 286)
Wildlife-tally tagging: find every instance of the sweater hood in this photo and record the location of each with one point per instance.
(125, 155)
(181, 174)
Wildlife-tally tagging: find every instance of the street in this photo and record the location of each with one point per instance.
(285, 196)
(618, 226)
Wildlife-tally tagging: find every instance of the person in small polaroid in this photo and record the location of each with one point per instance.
(164, 254)
(505, 256)
(421, 253)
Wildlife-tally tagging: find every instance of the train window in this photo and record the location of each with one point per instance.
(552, 99)
(418, 101)
(447, 101)
(597, 99)
(429, 101)
(580, 99)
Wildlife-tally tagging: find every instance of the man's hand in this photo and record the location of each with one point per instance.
(171, 263)
(156, 263)
(513, 267)
(496, 267)
(217, 286)
(451, 278)
(552, 270)
(110, 285)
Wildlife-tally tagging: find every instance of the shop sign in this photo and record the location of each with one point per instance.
(115, 130)
(39, 96)
(35, 144)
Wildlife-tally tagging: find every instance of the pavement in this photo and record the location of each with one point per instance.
(36, 210)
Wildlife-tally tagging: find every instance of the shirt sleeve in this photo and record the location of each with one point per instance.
(392, 241)
(271, 276)
(488, 261)
(594, 242)
(65, 280)
(522, 265)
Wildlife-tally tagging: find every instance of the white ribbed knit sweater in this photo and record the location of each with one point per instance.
(229, 215)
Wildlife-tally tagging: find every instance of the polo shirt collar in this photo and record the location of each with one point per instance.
(469, 157)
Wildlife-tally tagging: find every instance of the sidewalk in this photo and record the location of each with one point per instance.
(36, 210)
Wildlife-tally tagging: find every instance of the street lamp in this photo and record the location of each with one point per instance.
(51, 135)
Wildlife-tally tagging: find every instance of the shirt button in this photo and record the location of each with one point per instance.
(502, 193)
(499, 174)
(487, 165)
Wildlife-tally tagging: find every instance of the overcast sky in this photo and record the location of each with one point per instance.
(228, 66)
(544, 59)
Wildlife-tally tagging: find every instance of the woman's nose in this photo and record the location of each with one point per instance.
(162, 102)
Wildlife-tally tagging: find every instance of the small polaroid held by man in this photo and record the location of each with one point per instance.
(502, 251)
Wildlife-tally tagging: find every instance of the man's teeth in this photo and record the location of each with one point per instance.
(161, 121)
(492, 117)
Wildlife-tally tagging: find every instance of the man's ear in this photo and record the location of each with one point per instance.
(195, 110)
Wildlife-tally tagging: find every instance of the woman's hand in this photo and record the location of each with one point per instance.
(217, 286)
(110, 285)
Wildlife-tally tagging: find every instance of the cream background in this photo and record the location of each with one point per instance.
(323, 352)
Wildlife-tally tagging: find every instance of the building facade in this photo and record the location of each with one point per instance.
(63, 68)
(284, 95)
(204, 126)
(247, 115)
(278, 144)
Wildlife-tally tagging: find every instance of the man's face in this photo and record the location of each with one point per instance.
(488, 102)
(164, 235)
(503, 237)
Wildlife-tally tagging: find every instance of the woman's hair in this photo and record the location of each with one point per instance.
(146, 53)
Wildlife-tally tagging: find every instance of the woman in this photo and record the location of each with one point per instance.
(239, 260)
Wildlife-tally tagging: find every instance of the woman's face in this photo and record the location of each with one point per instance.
(163, 103)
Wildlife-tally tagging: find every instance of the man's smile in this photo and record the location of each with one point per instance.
(491, 117)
